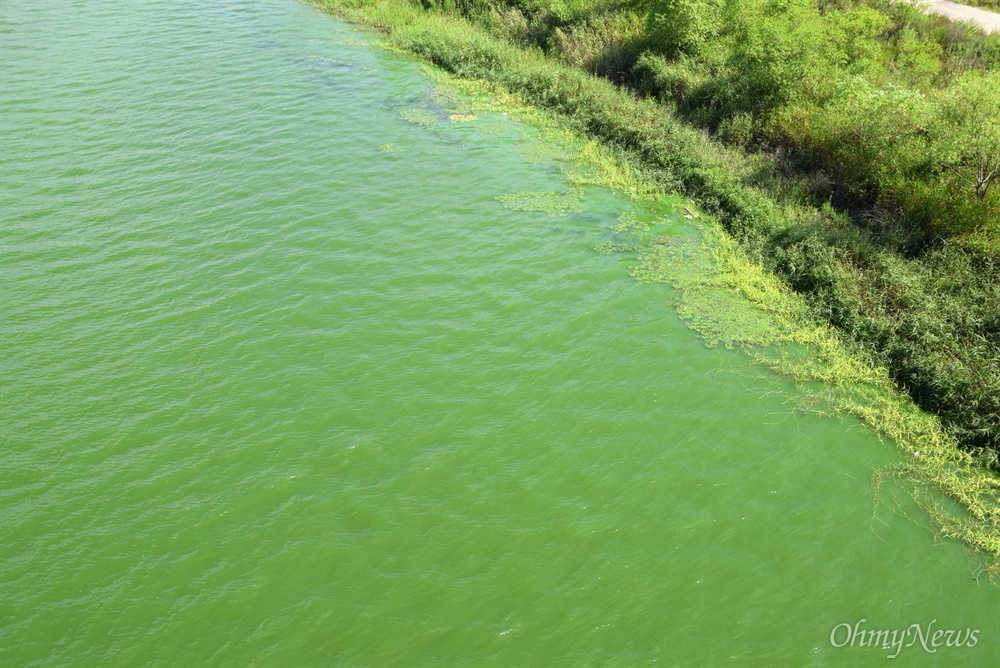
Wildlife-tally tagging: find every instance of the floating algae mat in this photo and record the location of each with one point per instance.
(552, 203)
(285, 384)
(419, 116)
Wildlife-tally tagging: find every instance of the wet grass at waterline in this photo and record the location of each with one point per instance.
(774, 326)
(722, 290)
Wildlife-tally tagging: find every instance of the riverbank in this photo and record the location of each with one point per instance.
(842, 274)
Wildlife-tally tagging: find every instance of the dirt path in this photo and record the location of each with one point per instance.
(988, 21)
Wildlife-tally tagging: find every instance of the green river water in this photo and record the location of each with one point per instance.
(284, 384)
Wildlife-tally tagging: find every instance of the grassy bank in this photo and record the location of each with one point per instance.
(918, 297)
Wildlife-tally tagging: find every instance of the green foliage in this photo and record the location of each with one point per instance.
(856, 38)
(668, 80)
(738, 129)
(970, 142)
(608, 44)
(780, 51)
(868, 137)
(684, 26)
(916, 61)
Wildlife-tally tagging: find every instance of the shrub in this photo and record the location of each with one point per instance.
(684, 26)
(608, 45)
(779, 51)
(654, 75)
(916, 61)
(873, 140)
(970, 137)
(738, 130)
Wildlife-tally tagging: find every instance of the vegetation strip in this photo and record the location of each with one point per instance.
(771, 239)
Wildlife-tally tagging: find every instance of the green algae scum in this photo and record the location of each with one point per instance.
(312, 357)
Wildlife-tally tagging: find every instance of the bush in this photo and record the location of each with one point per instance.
(738, 130)
(970, 131)
(873, 140)
(608, 45)
(780, 51)
(684, 26)
(653, 75)
(915, 61)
